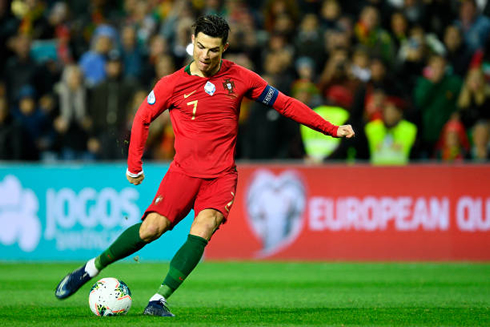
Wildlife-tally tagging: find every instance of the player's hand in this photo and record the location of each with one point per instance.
(345, 131)
(136, 180)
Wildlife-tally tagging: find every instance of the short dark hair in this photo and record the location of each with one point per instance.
(212, 25)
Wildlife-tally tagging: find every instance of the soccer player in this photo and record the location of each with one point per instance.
(204, 103)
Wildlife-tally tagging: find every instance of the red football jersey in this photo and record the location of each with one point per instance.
(204, 113)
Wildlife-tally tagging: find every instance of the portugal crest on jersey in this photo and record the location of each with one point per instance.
(229, 85)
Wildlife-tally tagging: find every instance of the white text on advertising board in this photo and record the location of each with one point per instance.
(89, 219)
(469, 214)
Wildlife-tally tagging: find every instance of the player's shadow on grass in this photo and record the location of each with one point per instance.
(247, 315)
(423, 316)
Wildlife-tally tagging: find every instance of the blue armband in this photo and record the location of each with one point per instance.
(268, 96)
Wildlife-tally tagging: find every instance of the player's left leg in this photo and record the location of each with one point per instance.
(185, 260)
(212, 206)
(189, 255)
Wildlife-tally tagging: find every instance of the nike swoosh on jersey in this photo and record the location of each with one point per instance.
(188, 95)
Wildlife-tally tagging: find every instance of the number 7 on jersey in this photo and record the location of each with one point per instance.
(193, 103)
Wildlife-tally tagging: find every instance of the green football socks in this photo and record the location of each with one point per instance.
(127, 243)
(182, 264)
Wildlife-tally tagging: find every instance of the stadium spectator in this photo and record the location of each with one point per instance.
(359, 69)
(39, 134)
(305, 70)
(64, 51)
(285, 25)
(157, 49)
(457, 53)
(453, 144)
(245, 37)
(277, 60)
(132, 53)
(139, 16)
(237, 10)
(440, 14)
(363, 107)
(49, 105)
(368, 32)
(396, 4)
(415, 11)
(382, 77)
(303, 88)
(375, 102)
(355, 7)
(33, 21)
(275, 9)
(474, 109)
(347, 24)
(84, 19)
(330, 13)
(214, 7)
(8, 29)
(20, 69)
(108, 109)
(336, 82)
(181, 40)
(475, 26)
(58, 19)
(11, 134)
(435, 96)
(481, 59)
(181, 11)
(391, 138)
(73, 123)
(164, 66)
(339, 38)
(93, 61)
(398, 29)
(412, 57)
(308, 40)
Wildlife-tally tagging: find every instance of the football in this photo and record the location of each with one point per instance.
(110, 297)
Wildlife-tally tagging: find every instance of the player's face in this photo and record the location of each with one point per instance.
(207, 54)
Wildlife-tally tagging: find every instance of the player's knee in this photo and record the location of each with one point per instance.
(153, 227)
(212, 221)
(206, 223)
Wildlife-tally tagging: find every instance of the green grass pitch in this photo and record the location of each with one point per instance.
(263, 294)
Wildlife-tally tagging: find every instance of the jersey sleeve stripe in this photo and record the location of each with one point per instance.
(268, 96)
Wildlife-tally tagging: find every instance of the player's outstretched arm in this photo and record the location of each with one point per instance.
(292, 108)
(345, 131)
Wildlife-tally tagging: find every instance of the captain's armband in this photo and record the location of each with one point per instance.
(268, 96)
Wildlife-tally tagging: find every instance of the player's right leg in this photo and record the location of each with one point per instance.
(174, 199)
(131, 240)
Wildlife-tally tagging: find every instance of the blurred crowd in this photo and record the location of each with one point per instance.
(411, 76)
